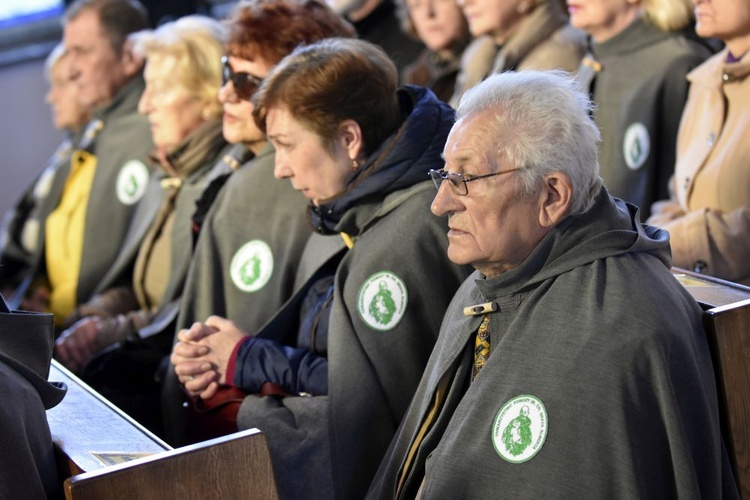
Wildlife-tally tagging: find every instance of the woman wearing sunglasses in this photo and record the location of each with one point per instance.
(349, 348)
(183, 76)
(708, 216)
(252, 227)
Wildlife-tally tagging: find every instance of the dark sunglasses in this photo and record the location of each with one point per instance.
(245, 84)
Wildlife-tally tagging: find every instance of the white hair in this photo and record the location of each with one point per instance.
(541, 123)
(52, 59)
(195, 44)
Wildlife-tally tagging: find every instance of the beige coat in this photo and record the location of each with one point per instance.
(544, 40)
(708, 216)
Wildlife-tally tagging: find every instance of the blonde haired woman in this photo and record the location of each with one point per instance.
(636, 74)
(23, 228)
(183, 76)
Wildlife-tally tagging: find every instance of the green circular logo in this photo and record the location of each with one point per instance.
(636, 146)
(382, 300)
(132, 182)
(520, 429)
(252, 266)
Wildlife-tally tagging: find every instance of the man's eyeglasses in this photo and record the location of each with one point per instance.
(245, 84)
(459, 182)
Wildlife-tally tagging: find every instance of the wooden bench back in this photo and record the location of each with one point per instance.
(104, 454)
(727, 323)
(232, 467)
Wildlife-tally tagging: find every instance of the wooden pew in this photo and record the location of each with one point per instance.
(727, 323)
(231, 467)
(85, 424)
(104, 454)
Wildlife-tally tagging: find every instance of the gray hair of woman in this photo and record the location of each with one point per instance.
(53, 58)
(195, 45)
(542, 123)
(668, 15)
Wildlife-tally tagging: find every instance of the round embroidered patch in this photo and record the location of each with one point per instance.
(520, 429)
(636, 146)
(132, 182)
(382, 300)
(252, 266)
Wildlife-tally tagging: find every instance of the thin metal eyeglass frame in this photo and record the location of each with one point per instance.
(245, 85)
(438, 176)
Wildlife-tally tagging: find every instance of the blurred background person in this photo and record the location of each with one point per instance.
(516, 35)
(252, 228)
(350, 346)
(708, 214)
(377, 22)
(22, 236)
(441, 26)
(86, 230)
(183, 76)
(636, 74)
(68, 113)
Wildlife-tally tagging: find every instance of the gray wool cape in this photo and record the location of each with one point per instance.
(27, 461)
(22, 232)
(121, 147)
(252, 206)
(181, 234)
(330, 446)
(253, 214)
(129, 368)
(599, 349)
(638, 80)
(120, 139)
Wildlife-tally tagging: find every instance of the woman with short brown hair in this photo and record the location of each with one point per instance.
(329, 378)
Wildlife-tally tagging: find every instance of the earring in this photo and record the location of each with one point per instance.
(355, 165)
(206, 113)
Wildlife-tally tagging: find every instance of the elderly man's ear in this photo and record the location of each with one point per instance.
(554, 199)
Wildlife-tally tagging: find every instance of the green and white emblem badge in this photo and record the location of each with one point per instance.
(132, 182)
(636, 146)
(252, 266)
(382, 300)
(520, 429)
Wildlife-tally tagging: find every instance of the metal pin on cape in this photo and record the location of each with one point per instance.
(478, 309)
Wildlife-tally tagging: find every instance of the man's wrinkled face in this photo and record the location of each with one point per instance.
(495, 226)
(99, 72)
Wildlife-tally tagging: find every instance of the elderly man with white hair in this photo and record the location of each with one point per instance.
(571, 364)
